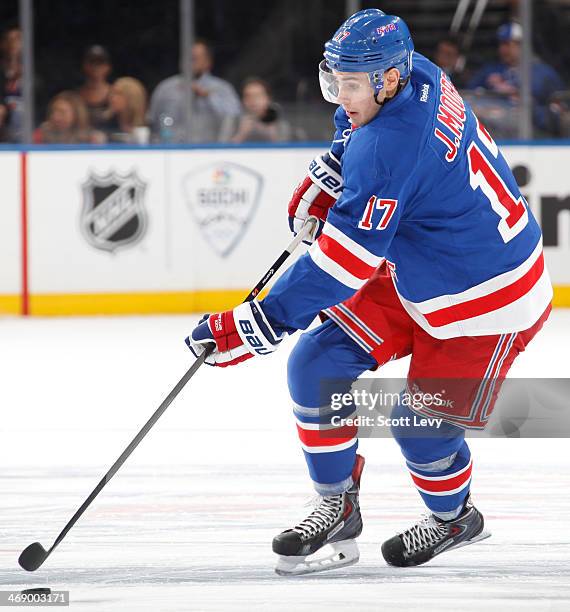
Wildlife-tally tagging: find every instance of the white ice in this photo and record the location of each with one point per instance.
(187, 523)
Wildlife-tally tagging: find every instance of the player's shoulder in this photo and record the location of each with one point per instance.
(424, 69)
(423, 90)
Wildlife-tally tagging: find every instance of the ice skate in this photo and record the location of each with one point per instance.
(432, 536)
(326, 538)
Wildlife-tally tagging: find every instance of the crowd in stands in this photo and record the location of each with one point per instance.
(106, 110)
(11, 85)
(494, 90)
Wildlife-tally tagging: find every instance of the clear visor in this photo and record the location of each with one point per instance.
(344, 87)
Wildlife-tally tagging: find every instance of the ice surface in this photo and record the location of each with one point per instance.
(187, 523)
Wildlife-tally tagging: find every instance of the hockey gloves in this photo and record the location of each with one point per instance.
(316, 194)
(238, 334)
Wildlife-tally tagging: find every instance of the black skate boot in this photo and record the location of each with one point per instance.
(432, 536)
(336, 521)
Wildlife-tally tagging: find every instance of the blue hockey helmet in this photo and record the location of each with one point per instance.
(370, 41)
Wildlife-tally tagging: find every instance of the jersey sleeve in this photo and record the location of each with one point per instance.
(354, 241)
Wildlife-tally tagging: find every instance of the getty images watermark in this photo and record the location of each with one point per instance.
(364, 400)
(524, 408)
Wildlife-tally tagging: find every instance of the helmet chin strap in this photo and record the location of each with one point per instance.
(401, 85)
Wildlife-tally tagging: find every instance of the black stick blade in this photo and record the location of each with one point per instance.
(32, 557)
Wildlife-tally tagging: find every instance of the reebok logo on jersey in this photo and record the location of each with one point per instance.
(425, 93)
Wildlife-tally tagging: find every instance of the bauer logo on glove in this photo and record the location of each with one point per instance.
(317, 194)
(237, 334)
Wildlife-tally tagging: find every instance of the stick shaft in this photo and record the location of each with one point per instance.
(131, 447)
(305, 231)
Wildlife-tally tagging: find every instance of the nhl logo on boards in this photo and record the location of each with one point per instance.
(223, 197)
(113, 214)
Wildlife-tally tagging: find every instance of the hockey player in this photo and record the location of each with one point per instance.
(426, 248)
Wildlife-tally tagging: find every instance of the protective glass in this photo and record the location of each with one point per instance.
(344, 87)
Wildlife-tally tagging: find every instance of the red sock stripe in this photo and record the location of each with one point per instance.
(321, 437)
(439, 486)
(344, 258)
(487, 303)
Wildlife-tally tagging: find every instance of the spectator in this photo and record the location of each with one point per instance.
(11, 83)
(214, 101)
(126, 112)
(262, 120)
(96, 88)
(503, 77)
(67, 122)
(448, 57)
(3, 111)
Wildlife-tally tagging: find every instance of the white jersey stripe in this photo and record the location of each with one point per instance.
(517, 316)
(482, 289)
(350, 245)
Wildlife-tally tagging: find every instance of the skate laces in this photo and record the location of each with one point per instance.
(423, 534)
(322, 517)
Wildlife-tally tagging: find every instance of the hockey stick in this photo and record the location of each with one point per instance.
(34, 555)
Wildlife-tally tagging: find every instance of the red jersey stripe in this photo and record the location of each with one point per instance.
(344, 258)
(487, 303)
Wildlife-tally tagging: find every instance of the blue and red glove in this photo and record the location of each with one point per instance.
(238, 334)
(316, 195)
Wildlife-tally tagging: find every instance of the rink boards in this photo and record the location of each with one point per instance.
(159, 230)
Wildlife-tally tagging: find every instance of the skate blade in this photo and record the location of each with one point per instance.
(482, 536)
(343, 554)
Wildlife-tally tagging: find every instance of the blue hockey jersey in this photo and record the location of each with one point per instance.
(426, 188)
